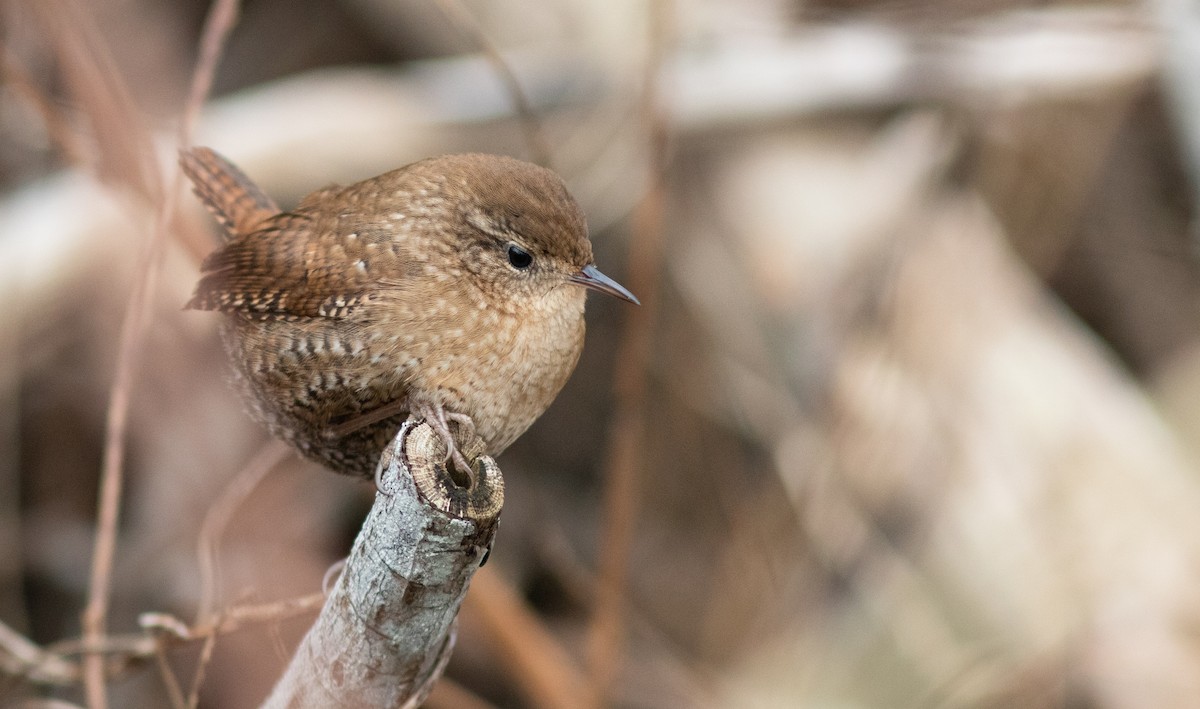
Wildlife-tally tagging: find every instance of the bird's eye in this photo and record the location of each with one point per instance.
(518, 257)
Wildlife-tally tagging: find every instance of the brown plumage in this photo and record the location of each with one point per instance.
(448, 289)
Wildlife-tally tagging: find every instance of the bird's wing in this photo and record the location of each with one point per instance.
(296, 265)
(324, 259)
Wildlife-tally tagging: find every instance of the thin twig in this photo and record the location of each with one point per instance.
(53, 665)
(90, 68)
(170, 681)
(206, 652)
(122, 647)
(42, 703)
(12, 593)
(135, 321)
(448, 694)
(461, 16)
(630, 384)
(54, 120)
(232, 619)
(122, 147)
(216, 519)
(20, 656)
(540, 666)
(222, 16)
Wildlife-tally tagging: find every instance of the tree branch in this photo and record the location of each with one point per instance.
(386, 631)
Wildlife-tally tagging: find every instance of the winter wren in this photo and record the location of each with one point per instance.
(447, 289)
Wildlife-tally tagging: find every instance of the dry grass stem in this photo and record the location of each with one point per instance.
(206, 652)
(461, 16)
(167, 674)
(55, 122)
(543, 670)
(448, 694)
(218, 515)
(133, 327)
(622, 490)
(19, 657)
(54, 665)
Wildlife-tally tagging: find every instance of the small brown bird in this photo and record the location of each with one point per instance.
(447, 289)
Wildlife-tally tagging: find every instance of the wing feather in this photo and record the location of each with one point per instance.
(317, 261)
(289, 268)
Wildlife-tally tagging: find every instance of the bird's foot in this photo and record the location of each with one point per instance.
(439, 419)
(462, 420)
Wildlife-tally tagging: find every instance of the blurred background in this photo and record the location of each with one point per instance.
(909, 417)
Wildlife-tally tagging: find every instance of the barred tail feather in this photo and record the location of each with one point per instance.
(234, 200)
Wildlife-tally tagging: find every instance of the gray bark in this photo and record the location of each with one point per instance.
(387, 627)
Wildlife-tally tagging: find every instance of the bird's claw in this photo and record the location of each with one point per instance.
(438, 418)
(460, 462)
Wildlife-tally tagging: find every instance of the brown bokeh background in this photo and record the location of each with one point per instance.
(915, 421)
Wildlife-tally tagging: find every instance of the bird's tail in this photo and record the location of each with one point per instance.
(236, 202)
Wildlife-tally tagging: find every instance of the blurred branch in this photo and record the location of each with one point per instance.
(461, 16)
(1015, 57)
(133, 326)
(539, 665)
(387, 629)
(54, 119)
(170, 681)
(209, 547)
(622, 490)
(12, 593)
(448, 695)
(120, 148)
(222, 16)
(56, 663)
(218, 515)
(1180, 26)
(20, 657)
(1079, 51)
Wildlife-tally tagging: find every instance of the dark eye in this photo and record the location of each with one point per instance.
(519, 257)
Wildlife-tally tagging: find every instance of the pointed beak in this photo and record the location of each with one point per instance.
(591, 277)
